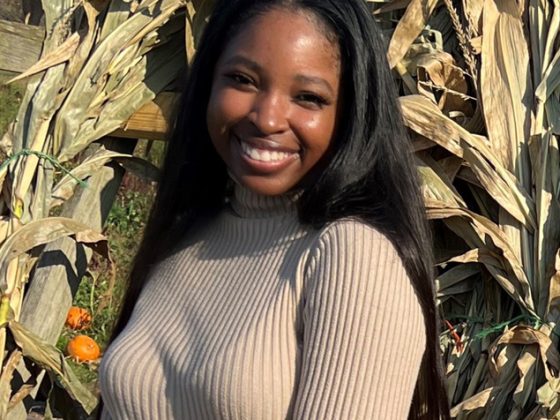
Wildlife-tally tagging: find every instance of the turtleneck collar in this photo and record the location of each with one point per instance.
(249, 204)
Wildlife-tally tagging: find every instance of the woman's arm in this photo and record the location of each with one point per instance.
(364, 333)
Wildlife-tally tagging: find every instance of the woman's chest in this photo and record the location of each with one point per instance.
(216, 339)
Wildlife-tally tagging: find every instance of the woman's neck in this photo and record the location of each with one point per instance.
(250, 204)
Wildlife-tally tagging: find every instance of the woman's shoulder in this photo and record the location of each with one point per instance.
(358, 263)
(352, 232)
(353, 251)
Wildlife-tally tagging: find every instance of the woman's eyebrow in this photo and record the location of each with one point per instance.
(239, 59)
(305, 79)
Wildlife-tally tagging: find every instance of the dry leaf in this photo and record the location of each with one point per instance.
(409, 27)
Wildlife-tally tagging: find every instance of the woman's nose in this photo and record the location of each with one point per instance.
(270, 113)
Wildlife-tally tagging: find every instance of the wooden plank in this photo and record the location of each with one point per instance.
(20, 45)
(153, 120)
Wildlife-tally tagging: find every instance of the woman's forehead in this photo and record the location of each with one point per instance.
(287, 32)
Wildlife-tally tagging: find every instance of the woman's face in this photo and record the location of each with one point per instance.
(272, 110)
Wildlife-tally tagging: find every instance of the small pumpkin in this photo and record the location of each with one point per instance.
(83, 349)
(78, 318)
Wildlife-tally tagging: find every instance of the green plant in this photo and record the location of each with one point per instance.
(127, 214)
(10, 100)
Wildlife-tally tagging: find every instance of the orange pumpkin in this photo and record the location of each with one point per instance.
(78, 318)
(83, 349)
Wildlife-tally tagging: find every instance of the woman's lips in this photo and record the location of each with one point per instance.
(264, 155)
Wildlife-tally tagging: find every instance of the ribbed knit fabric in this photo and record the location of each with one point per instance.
(256, 317)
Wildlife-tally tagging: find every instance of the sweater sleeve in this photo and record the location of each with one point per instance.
(364, 333)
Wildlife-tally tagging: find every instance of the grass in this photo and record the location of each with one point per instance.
(10, 98)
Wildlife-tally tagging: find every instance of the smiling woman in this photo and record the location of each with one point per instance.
(285, 271)
(274, 100)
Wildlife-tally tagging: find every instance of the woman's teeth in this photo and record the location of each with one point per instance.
(263, 155)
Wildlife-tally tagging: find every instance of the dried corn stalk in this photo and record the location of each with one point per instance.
(481, 83)
(102, 60)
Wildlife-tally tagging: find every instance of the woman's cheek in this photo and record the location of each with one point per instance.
(219, 108)
(235, 105)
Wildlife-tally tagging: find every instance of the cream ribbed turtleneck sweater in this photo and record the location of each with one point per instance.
(256, 317)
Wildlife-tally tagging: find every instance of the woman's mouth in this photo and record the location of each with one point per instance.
(265, 157)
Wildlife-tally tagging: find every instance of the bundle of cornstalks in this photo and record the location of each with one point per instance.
(480, 85)
(101, 62)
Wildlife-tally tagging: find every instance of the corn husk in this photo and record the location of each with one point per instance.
(101, 62)
(483, 114)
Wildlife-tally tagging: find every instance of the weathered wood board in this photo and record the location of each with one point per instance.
(152, 121)
(62, 264)
(20, 45)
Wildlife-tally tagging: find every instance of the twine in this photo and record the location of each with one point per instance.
(54, 161)
(497, 328)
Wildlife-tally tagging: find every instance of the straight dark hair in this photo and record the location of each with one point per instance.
(368, 172)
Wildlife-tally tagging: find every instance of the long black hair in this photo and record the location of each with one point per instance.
(368, 173)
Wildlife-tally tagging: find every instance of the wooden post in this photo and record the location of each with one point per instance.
(63, 263)
(152, 121)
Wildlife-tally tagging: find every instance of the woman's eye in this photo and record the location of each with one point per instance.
(311, 99)
(240, 79)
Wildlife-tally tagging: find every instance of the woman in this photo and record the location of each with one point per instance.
(285, 270)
